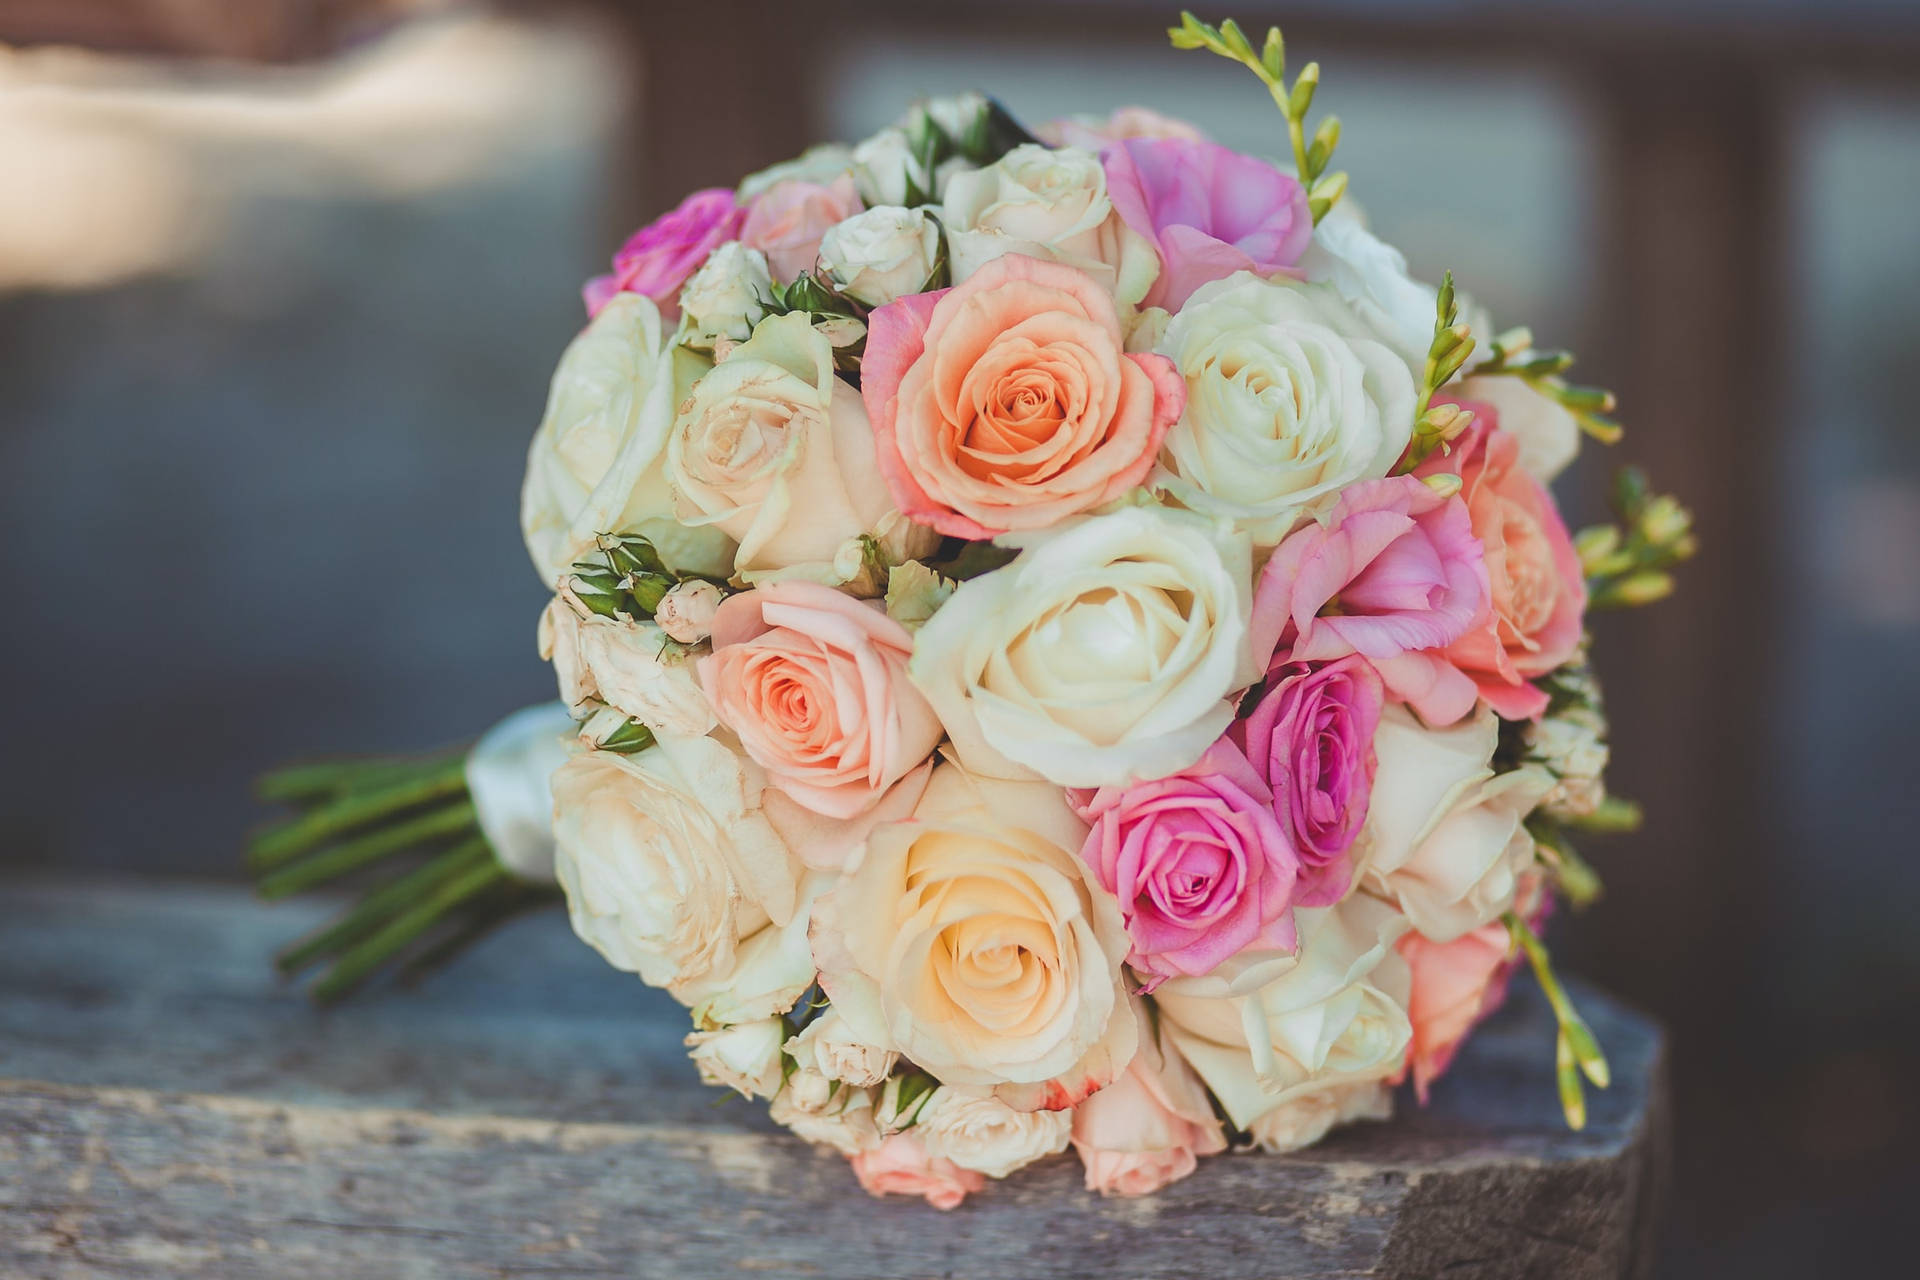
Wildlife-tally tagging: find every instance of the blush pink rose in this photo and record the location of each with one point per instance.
(1010, 402)
(1090, 133)
(1538, 591)
(658, 258)
(1209, 210)
(788, 220)
(900, 1166)
(814, 683)
(1310, 738)
(1200, 865)
(1395, 575)
(1148, 1128)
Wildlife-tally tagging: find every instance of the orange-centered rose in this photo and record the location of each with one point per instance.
(1009, 401)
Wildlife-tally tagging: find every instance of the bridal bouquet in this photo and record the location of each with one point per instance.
(1062, 642)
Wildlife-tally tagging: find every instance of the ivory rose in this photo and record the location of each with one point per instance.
(1305, 1118)
(595, 465)
(1289, 399)
(1310, 739)
(1146, 1129)
(1268, 1027)
(818, 1112)
(686, 612)
(658, 258)
(726, 297)
(786, 222)
(969, 941)
(1371, 276)
(744, 1057)
(1103, 654)
(1395, 575)
(1200, 865)
(1209, 211)
(1009, 402)
(1445, 834)
(630, 666)
(815, 684)
(1536, 586)
(827, 1045)
(882, 254)
(977, 1131)
(900, 1166)
(773, 450)
(1048, 204)
(671, 872)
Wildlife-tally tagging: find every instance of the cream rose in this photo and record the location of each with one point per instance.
(818, 1112)
(1267, 1027)
(1290, 398)
(876, 256)
(726, 297)
(1371, 275)
(1445, 835)
(977, 1131)
(775, 451)
(830, 1047)
(821, 165)
(630, 666)
(1306, 1118)
(744, 1057)
(671, 872)
(595, 465)
(969, 941)
(1049, 204)
(888, 170)
(1103, 654)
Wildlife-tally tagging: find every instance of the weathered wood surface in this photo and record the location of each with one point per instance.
(166, 1110)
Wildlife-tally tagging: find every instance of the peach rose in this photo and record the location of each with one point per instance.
(787, 221)
(1148, 1128)
(815, 684)
(1538, 592)
(900, 1166)
(1009, 401)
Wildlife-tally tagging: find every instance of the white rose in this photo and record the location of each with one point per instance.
(1445, 835)
(776, 452)
(955, 114)
(631, 666)
(1371, 275)
(1104, 653)
(1306, 1118)
(672, 872)
(816, 1111)
(744, 1057)
(1571, 745)
(876, 256)
(819, 165)
(977, 1131)
(888, 170)
(595, 463)
(1267, 1027)
(970, 941)
(686, 612)
(1049, 204)
(726, 297)
(1290, 398)
(829, 1046)
(1549, 437)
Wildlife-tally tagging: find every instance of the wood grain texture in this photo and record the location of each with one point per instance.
(167, 1111)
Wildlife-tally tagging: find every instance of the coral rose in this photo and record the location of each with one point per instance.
(1533, 572)
(1009, 401)
(815, 684)
(1146, 1129)
(900, 1166)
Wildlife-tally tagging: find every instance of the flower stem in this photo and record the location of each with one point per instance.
(382, 904)
(288, 841)
(364, 958)
(370, 847)
(1576, 1045)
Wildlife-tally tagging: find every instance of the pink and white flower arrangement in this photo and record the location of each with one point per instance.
(1068, 645)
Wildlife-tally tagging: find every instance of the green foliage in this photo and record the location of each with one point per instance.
(1452, 344)
(1628, 563)
(627, 580)
(1512, 354)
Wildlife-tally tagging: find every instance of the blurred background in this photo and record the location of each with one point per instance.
(281, 285)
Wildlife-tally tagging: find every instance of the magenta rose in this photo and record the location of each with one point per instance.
(658, 258)
(1201, 866)
(1310, 738)
(1394, 575)
(1209, 210)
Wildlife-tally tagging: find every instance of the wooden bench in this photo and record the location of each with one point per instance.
(168, 1110)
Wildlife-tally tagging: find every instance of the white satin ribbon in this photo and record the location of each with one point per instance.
(507, 776)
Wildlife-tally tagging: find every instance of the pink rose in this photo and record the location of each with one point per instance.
(1395, 575)
(1091, 133)
(1010, 402)
(1538, 590)
(1201, 866)
(1310, 738)
(1146, 1129)
(900, 1166)
(787, 221)
(658, 258)
(815, 684)
(1210, 211)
